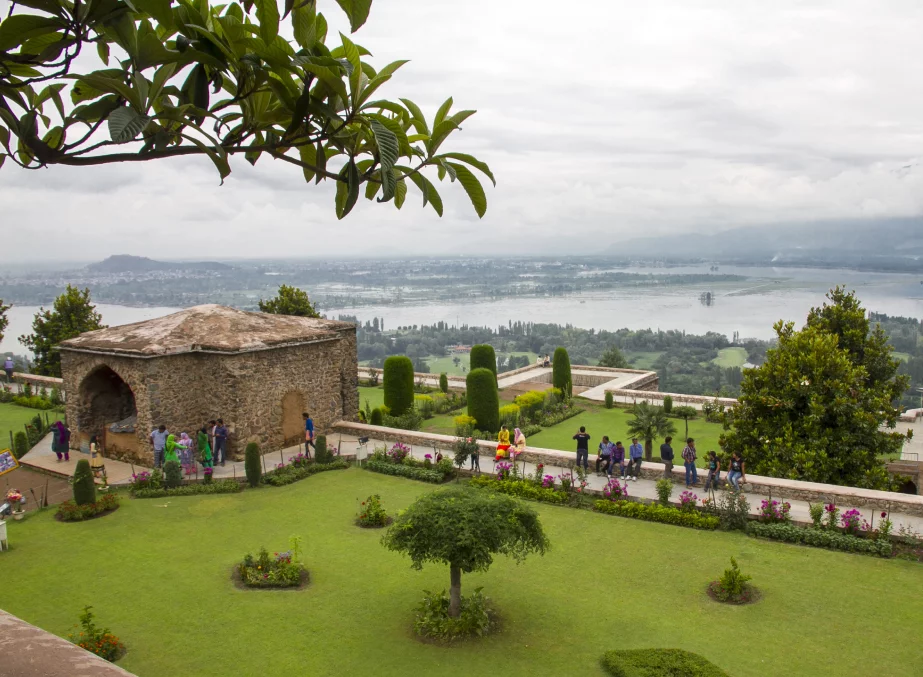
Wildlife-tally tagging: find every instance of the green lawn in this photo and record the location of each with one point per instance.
(600, 421)
(13, 418)
(438, 365)
(731, 357)
(157, 572)
(642, 360)
(375, 397)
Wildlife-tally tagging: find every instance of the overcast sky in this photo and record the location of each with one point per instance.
(601, 121)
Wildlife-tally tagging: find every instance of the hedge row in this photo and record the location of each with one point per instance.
(659, 662)
(71, 512)
(820, 538)
(289, 474)
(657, 513)
(402, 470)
(520, 488)
(221, 487)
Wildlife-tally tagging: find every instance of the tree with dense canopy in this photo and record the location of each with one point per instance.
(72, 314)
(465, 528)
(560, 372)
(685, 412)
(815, 409)
(613, 358)
(167, 69)
(649, 422)
(290, 301)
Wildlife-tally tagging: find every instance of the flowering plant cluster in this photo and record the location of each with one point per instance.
(831, 515)
(141, 480)
(566, 482)
(615, 490)
(398, 452)
(298, 461)
(14, 496)
(68, 511)
(548, 482)
(503, 470)
(428, 461)
(97, 640)
(687, 501)
(281, 570)
(372, 514)
(885, 526)
(774, 511)
(852, 522)
(207, 475)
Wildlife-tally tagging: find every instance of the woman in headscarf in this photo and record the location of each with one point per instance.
(186, 456)
(205, 451)
(171, 449)
(61, 440)
(96, 457)
(519, 442)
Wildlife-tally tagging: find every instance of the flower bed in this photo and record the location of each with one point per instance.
(295, 471)
(99, 641)
(477, 617)
(398, 461)
(401, 470)
(372, 515)
(71, 512)
(280, 570)
(821, 538)
(526, 489)
(657, 513)
(222, 487)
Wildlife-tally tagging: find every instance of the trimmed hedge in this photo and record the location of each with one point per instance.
(484, 357)
(444, 382)
(68, 511)
(667, 404)
(658, 663)
(221, 487)
(377, 416)
(401, 470)
(398, 384)
(560, 371)
(657, 513)
(252, 464)
(820, 538)
(20, 444)
(483, 399)
(289, 474)
(172, 474)
(84, 487)
(520, 488)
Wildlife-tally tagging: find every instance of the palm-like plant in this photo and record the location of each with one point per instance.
(649, 422)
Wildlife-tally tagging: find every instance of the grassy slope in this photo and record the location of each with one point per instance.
(642, 360)
(157, 573)
(13, 417)
(731, 357)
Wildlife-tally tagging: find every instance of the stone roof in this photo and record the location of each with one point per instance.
(207, 328)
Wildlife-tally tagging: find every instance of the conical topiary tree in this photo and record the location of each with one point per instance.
(560, 372)
(483, 400)
(321, 454)
(484, 357)
(172, 474)
(444, 382)
(84, 487)
(398, 384)
(252, 464)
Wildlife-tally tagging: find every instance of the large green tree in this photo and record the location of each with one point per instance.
(613, 358)
(290, 301)
(649, 423)
(158, 79)
(464, 529)
(4, 320)
(71, 315)
(807, 413)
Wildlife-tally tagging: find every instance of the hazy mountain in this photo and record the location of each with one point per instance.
(124, 263)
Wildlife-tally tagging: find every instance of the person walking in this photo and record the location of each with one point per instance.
(221, 442)
(159, 444)
(205, 450)
(618, 458)
(635, 454)
(583, 448)
(8, 368)
(308, 433)
(605, 455)
(737, 471)
(60, 441)
(666, 457)
(714, 470)
(689, 457)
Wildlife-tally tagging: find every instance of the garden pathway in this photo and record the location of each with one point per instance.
(43, 459)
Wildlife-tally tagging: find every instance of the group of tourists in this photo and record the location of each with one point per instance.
(504, 448)
(610, 456)
(208, 448)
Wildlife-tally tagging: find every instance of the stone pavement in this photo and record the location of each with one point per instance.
(43, 459)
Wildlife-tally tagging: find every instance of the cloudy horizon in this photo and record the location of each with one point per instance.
(600, 122)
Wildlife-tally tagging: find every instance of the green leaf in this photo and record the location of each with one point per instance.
(471, 160)
(373, 186)
(160, 10)
(400, 193)
(348, 191)
(472, 186)
(219, 160)
(303, 17)
(417, 116)
(442, 112)
(54, 138)
(388, 184)
(163, 74)
(357, 11)
(430, 194)
(388, 147)
(102, 49)
(267, 13)
(308, 156)
(321, 163)
(440, 133)
(126, 123)
(352, 55)
(330, 79)
(110, 85)
(18, 28)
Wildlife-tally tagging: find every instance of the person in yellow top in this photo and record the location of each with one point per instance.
(503, 443)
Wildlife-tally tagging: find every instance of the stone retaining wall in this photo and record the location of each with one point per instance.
(677, 398)
(812, 492)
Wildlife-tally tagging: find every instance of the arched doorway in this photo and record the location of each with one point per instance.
(107, 409)
(293, 406)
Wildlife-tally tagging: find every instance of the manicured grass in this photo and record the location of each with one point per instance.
(13, 418)
(437, 365)
(158, 574)
(375, 397)
(600, 421)
(642, 360)
(731, 357)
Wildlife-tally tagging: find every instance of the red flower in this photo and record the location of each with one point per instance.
(883, 514)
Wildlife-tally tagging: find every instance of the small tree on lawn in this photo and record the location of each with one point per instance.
(444, 382)
(465, 529)
(648, 423)
(560, 372)
(84, 487)
(685, 412)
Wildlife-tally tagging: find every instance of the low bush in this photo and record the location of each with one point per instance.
(376, 417)
(220, 487)
(99, 641)
(444, 382)
(731, 508)
(773, 511)
(292, 473)
(172, 474)
(610, 402)
(821, 538)
(526, 489)
(531, 403)
(657, 513)
(733, 587)
(409, 420)
(667, 404)
(84, 486)
(69, 511)
(401, 470)
(555, 417)
(34, 402)
(371, 513)
(664, 490)
(281, 570)
(659, 663)
(509, 416)
(464, 424)
(433, 620)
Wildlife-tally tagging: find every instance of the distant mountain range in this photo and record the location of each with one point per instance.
(124, 263)
(890, 244)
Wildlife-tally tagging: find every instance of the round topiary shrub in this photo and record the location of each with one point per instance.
(20, 444)
(376, 417)
(484, 357)
(172, 474)
(252, 464)
(560, 371)
(667, 404)
(444, 382)
(398, 384)
(84, 487)
(483, 400)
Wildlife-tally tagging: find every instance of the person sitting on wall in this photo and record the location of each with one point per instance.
(503, 443)
(519, 442)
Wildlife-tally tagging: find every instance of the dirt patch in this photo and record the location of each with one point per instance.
(304, 582)
(750, 595)
(33, 485)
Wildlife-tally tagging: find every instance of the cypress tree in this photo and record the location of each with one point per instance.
(252, 464)
(398, 384)
(483, 399)
(560, 372)
(84, 487)
(376, 416)
(444, 382)
(484, 357)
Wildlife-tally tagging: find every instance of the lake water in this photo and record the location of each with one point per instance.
(750, 307)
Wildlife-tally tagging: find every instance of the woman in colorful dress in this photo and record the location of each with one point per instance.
(503, 443)
(187, 455)
(519, 442)
(205, 450)
(96, 457)
(172, 449)
(61, 441)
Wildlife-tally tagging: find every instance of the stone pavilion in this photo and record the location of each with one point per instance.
(257, 371)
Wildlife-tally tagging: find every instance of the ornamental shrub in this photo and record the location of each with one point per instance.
(444, 382)
(252, 462)
(609, 400)
(84, 487)
(398, 384)
(322, 454)
(402, 470)
(483, 400)
(526, 489)
(509, 416)
(820, 538)
(484, 357)
(20, 444)
(732, 584)
(667, 404)
(376, 417)
(424, 405)
(531, 403)
(99, 641)
(172, 474)
(657, 663)
(664, 489)
(657, 513)
(432, 618)
(560, 371)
